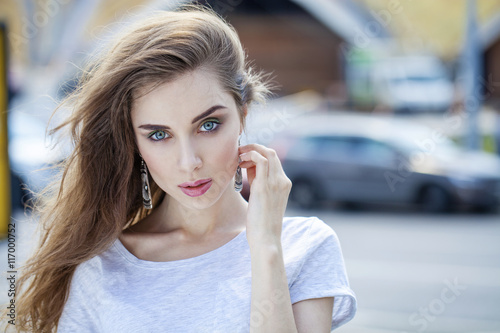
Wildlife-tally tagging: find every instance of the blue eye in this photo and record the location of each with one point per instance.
(157, 135)
(210, 125)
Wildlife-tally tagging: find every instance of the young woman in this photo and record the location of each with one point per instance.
(147, 230)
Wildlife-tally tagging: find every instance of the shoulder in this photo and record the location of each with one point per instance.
(91, 271)
(305, 235)
(307, 228)
(85, 275)
(85, 293)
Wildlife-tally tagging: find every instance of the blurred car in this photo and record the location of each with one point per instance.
(418, 83)
(355, 159)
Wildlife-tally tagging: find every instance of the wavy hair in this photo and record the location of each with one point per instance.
(98, 192)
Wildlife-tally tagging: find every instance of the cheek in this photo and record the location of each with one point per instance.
(221, 158)
(155, 164)
(228, 153)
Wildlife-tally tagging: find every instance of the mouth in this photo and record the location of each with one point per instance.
(197, 188)
(195, 183)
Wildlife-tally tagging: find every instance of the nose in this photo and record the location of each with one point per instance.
(189, 158)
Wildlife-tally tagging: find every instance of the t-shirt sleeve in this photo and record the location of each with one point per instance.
(323, 273)
(78, 314)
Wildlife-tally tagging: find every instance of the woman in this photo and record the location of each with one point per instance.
(146, 231)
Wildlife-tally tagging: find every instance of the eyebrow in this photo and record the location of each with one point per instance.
(200, 116)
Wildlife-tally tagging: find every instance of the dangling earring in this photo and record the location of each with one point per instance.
(238, 178)
(146, 192)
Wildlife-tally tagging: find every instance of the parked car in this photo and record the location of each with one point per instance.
(355, 159)
(417, 83)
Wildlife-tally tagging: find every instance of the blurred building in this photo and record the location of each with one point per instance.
(490, 35)
(302, 43)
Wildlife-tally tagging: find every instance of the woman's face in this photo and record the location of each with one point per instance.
(187, 130)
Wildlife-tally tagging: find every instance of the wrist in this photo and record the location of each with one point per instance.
(264, 244)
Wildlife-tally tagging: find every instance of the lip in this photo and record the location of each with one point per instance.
(195, 183)
(198, 190)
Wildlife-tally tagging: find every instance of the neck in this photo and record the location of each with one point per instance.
(226, 215)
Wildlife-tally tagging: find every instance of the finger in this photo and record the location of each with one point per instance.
(274, 167)
(246, 164)
(261, 163)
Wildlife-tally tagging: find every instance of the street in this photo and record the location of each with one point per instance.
(419, 273)
(411, 272)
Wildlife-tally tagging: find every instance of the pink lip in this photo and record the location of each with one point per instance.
(198, 190)
(196, 183)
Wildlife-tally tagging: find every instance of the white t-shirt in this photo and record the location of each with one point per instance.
(118, 292)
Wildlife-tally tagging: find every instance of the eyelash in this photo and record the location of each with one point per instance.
(213, 120)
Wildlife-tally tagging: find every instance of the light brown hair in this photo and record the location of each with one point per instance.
(98, 193)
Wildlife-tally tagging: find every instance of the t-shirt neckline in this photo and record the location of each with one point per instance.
(127, 255)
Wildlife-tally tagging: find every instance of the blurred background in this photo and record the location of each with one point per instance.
(386, 119)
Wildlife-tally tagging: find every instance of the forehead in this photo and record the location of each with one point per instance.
(183, 98)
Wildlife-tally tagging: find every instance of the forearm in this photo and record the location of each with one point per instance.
(271, 307)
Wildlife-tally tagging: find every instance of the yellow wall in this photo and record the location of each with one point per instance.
(4, 158)
(438, 25)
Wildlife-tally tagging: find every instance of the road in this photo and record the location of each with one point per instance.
(413, 272)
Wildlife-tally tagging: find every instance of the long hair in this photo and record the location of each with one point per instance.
(98, 193)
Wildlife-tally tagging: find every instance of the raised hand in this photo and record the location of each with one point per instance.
(269, 190)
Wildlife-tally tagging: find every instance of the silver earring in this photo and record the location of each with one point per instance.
(146, 192)
(238, 178)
